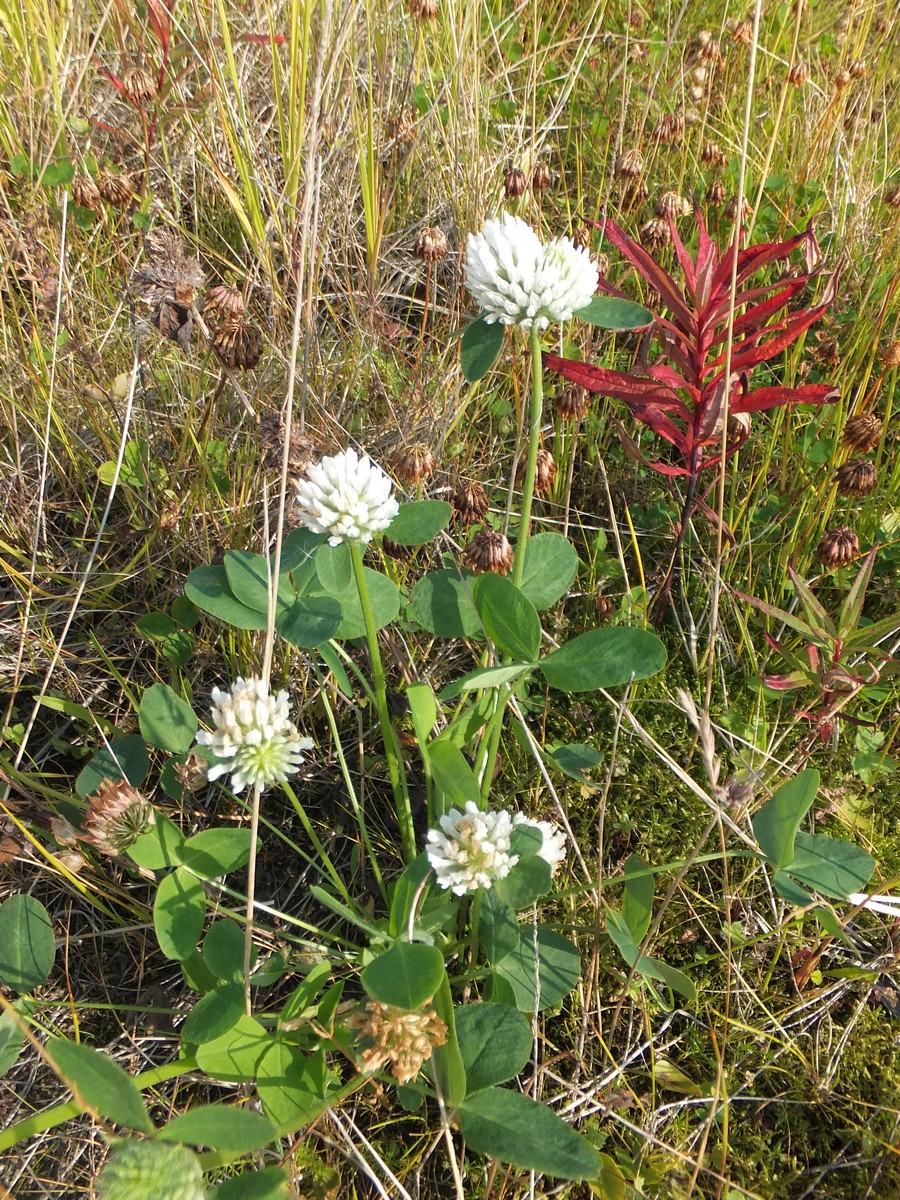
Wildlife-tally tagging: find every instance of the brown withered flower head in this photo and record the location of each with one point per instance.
(430, 244)
(469, 502)
(842, 79)
(634, 196)
(742, 33)
(572, 402)
(424, 10)
(169, 282)
(711, 51)
(798, 74)
(857, 68)
(629, 165)
(238, 344)
(514, 183)
(655, 233)
(412, 464)
(192, 774)
(394, 1038)
(117, 815)
(223, 303)
(715, 192)
(891, 196)
(116, 188)
(838, 547)
(541, 176)
(138, 86)
(489, 551)
(671, 206)
(862, 432)
(85, 192)
(581, 236)
(856, 477)
(890, 355)
(731, 209)
(302, 451)
(713, 155)
(545, 472)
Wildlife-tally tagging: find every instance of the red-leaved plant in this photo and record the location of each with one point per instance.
(682, 396)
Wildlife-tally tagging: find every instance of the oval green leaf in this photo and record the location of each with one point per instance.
(99, 1083)
(223, 950)
(495, 1042)
(310, 621)
(334, 566)
(124, 758)
(215, 852)
(234, 1056)
(291, 1085)
(208, 588)
(558, 968)
(603, 658)
(248, 581)
(454, 778)
(159, 847)
(419, 522)
(551, 565)
(442, 603)
(221, 1127)
(406, 976)
(832, 866)
(510, 619)
(271, 1183)
(479, 347)
(775, 825)
(610, 312)
(214, 1014)
(178, 914)
(27, 944)
(166, 720)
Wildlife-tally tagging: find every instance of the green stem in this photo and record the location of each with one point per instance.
(534, 441)
(391, 747)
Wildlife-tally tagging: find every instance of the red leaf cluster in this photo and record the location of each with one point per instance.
(682, 396)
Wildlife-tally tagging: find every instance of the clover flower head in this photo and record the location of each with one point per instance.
(405, 1040)
(254, 740)
(553, 849)
(518, 280)
(347, 496)
(470, 850)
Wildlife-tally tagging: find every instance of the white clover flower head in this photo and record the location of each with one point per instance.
(518, 280)
(254, 740)
(470, 850)
(553, 849)
(347, 496)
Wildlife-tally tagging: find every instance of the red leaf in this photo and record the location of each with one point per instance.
(652, 272)
(263, 39)
(619, 385)
(773, 397)
(159, 14)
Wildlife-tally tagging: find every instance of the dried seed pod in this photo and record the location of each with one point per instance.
(695, 94)
(890, 355)
(469, 502)
(731, 209)
(838, 547)
(713, 155)
(711, 52)
(856, 477)
(514, 183)
(857, 68)
(715, 192)
(85, 192)
(238, 344)
(115, 188)
(223, 303)
(629, 165)
(656, 233)
(862, 432)
(605, 608)
(891, 197)
(698, 76)
(572, 402)
(742, 33)
(489, 551)
(581, 236)
(842, 79)
(798, 74)
(169, 281)
(117, 815)
(541, 176)
(139, 87)
(193, 772)
(302, 451)
(424, 10)
(635, 195)
(431, 244)
(414, 463)
(544, 475)
(671, 206)
(669, 129)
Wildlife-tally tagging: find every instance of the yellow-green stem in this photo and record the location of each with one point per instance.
(534, 441)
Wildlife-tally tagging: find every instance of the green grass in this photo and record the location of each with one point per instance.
(274, 149)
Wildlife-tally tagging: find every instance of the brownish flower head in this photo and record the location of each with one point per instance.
(856, 477)
(223, 303)
(514, 182)
(192, 773)
(862, 432)
(731, 209)
(842, 79)
(401, 131)
(424, 10)
(413, 463)
(405, 1040)
(629, 165)
(669, 128)
(545, 472)
(489, 551)
(838, 547)
(857, 68)
(711, 52)
(636, 19)
(541, 176)
(890, 355)
(572, 402)
(605, 608)
(238, 344)
(168, 274)
(656, 233)
(303, 450)
(798, 74)
(430, 244)
(713, 155)
(702, 38)
(891, 196)
(671, 206)
(715, 192)
(581, 236)
(742, 33)
(117, 815)
(469, 502)
(139, 87)
(115, 188)
(635, 195)
(85, 192)
(827, 350)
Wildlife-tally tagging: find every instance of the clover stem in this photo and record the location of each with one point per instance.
(534, 438)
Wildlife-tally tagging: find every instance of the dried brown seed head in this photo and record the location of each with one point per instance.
(544, 475)
(857, 68)
(629, 165)
(238, 344)
(572, 402)
(890, 355)
(731, 209)
(713, 155)
(798, 74)
(193, 772)
(842, 79)
(139, 87)
(117, 815)
(715, 192)
(392, 1037)
(223, 303)
(303, 450)
(856, 477)
(656, 233)
(424, 10)
(168, 276)
(115, 188)
(711, 52)
(514, 182)
(414, 463)
(469, 502)
(489, 551)
(605, 608)
(742, 33)
(85, 192)
(669, 129)
(581, 236)
(635, 195)
(838, 547)
(862, 432)
(541, 176)
(891, 196)
(672, 206)
(431, 244)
